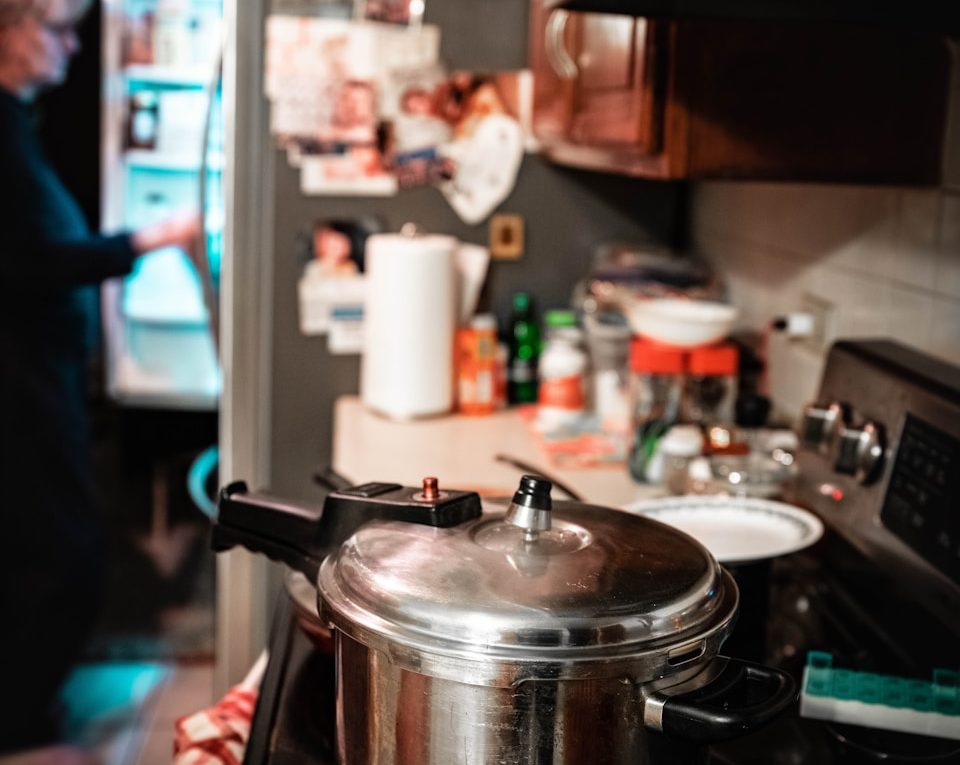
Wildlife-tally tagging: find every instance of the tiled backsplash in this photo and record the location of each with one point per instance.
(885, 260)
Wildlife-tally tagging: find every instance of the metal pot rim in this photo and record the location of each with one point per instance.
(595, 581)
(505, 666)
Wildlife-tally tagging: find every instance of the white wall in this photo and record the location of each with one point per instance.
(887, 259)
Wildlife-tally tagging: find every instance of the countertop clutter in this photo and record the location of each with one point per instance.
(461, 451)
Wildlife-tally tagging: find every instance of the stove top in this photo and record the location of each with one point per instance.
(806, 610)
(294, 719)
(880, 592)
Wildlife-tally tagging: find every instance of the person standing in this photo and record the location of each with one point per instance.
(51, 538)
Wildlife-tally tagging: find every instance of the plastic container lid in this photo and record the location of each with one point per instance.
(648, 356)
(682, 441)
(608, 326)
(484, 321)
(556, 319)
(719, 359)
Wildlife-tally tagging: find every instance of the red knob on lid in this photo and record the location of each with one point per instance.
(719, 359)
(431, 488)
(655, 358)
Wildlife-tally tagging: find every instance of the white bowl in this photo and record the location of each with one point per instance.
(681, 322)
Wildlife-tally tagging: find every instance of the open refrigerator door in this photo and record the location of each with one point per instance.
(162, 152)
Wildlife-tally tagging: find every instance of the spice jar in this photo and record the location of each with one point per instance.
(477, 365)
(710, 392)
(656, 386)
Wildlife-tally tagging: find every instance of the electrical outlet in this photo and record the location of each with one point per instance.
(506, 237)
(822, 312)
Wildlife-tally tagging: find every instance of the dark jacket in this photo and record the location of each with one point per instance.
(51, 540)
(50, 265)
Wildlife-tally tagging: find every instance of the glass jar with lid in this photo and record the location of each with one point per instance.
(710, 390)
(656, 386)
(608, 341)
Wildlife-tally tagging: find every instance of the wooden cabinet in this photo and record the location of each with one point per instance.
(759, 100)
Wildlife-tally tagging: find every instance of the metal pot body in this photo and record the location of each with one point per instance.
(549, 633)
(391, 715)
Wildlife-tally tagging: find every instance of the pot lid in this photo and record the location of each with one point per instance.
(530, 577)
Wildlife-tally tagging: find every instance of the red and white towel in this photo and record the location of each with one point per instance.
(218, 735)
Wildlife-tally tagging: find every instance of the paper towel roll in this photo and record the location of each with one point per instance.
(410, 319)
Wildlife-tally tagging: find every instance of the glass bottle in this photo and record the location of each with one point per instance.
(524, 352)
(144, 120)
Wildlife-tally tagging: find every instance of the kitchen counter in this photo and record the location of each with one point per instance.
(461, 452)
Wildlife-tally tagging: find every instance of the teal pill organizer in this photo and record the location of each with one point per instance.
(881, 701)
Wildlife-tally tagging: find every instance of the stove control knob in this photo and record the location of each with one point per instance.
(821, 425)
(859, 452)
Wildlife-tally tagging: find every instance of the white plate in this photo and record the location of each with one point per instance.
(736, 529)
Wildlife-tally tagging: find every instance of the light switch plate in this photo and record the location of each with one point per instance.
(506, 237)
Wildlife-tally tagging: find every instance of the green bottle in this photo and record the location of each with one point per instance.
(524, 352)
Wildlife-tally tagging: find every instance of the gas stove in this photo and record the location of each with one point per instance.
(880, 465)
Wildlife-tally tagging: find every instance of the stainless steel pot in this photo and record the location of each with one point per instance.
(518, 632)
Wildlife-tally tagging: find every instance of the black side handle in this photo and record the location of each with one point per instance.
(741, 698)
(302, 535)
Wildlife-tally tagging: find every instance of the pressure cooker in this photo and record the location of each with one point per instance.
(513, 632)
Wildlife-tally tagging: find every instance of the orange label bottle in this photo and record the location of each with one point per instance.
(477, 366)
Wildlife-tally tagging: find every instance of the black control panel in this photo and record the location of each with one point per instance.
(921, 503)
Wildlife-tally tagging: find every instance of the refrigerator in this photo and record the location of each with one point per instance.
(162, 153)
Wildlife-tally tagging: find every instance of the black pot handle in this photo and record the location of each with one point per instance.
(740, 698)
(302, 535)
(284, 531)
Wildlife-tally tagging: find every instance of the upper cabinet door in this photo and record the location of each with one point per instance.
(596, 78)
(726, 99)
(605, 53)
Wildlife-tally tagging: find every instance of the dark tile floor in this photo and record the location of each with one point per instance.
(142, 731)
(150, 659)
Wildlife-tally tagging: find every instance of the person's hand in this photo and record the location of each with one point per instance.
(181, 230)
